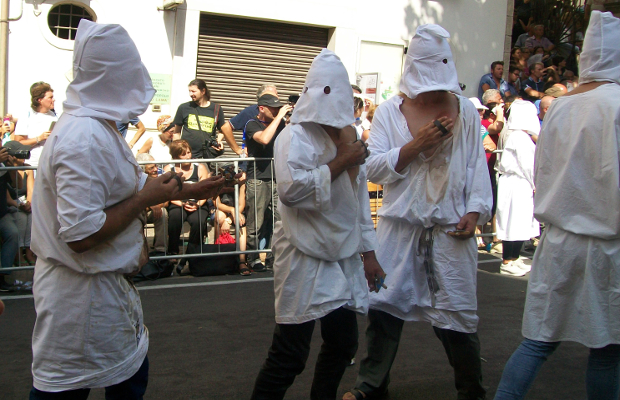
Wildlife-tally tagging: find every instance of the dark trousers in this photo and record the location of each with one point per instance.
(131, 389)
(261, 197)
(383, 336)
(511, 250)
(289, 352)
(197, 222)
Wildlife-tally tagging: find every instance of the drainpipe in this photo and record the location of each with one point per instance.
(4, 50)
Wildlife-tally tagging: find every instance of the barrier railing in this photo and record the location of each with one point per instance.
(214, 231)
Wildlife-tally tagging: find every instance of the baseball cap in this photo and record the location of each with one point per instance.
(269, 100)
(14, 145)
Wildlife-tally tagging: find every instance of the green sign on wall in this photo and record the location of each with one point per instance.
(163, 84)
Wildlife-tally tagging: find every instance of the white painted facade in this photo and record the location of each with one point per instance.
(168, 40)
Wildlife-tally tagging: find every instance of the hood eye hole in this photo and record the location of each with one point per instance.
(327, 90)
(306, 89)
(445, 60)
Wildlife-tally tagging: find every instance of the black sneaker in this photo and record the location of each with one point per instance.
(5, 287)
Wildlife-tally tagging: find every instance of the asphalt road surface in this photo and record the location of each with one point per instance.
(209, 337)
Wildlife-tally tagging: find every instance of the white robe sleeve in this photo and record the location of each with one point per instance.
(301, 184)
(83, 179)
(369, 236)
(384, 152)
(478, 194)
(525, 155)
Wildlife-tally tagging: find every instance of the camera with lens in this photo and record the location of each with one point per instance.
(21, 154)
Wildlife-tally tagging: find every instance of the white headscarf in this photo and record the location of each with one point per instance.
(600, 58)
(429, 65)
(109, 79)
(523, 117)
(327, 97)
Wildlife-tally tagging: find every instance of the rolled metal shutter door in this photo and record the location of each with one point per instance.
(236, 56)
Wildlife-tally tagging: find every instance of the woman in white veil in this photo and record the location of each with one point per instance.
(515, 187)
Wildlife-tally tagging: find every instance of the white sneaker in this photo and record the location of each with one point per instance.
(511, 269)
(521, 264)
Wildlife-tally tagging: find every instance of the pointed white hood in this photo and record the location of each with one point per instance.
(600, 58)
(109, 79)
(327, 97)
(429, 65)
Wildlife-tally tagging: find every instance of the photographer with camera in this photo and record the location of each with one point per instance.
(260, 134)
(196, 122)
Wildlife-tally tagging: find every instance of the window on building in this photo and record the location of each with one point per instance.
(63, 19)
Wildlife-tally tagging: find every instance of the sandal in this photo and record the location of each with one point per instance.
(244, 270)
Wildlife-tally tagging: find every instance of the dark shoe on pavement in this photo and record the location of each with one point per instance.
(5, 287)
(259, 267)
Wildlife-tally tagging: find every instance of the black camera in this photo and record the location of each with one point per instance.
(21, 154)
(212, 143)
(292, 99)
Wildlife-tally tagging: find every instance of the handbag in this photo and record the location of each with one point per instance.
(212, 265)
(154, 269)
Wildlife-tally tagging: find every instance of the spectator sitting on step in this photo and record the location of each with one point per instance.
(159, 146)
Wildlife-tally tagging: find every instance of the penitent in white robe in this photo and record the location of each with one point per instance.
(574, 287)
(431, 192)
(325, 226)
(515, 189)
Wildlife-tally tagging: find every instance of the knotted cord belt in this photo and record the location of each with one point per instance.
(425, 247)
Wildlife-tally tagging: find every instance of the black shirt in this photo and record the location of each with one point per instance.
(529, 83)
(255, 149)
(199, 124)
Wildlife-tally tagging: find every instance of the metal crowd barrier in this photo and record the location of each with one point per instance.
(375, 196)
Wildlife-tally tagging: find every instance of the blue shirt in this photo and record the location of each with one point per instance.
(488, 80)
(122, 126)
(510, 88)
(238, 121)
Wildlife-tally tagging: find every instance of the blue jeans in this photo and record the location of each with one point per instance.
(602, 375)
(131, 389)
(10, 245)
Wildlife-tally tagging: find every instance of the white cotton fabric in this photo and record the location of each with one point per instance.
(107, 69)
(31, 125)
(325, 226)
(425, 69)
(334, 108)
(515, 187)
(574, 287)
(160, 151)
(600, 58)
(89, 331)
(435, 191)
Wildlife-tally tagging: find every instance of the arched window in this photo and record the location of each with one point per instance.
(63, 19)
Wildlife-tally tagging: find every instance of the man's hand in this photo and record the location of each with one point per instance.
(372, 270)
(430, 136)
(283, 110)
(157, 212)
(467, 223)
(4, 155)
(43, 137)
(161, 189)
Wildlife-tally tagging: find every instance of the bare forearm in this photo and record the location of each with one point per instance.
(265, 136)
(407, 154)
(230, 138)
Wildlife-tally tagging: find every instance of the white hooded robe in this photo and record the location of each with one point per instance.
(325, 225)
(89, 331)
(574, 287)
(430, 192)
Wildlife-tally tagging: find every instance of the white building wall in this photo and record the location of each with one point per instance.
(167, 40)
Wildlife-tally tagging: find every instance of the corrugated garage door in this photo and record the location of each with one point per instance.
(236, 56)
